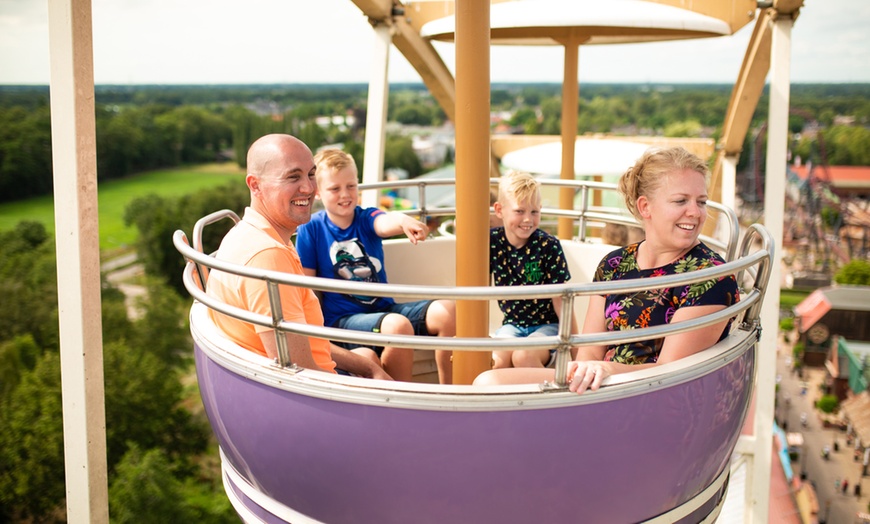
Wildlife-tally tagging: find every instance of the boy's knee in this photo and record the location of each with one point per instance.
(487, 378)
(527, 359)
(395, 324)
(501, 359)
(441, 317)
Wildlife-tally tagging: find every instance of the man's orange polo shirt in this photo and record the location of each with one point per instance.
(254, 242)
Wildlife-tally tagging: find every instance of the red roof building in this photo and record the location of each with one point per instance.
(845, 181)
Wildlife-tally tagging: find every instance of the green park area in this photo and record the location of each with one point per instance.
(114, 196)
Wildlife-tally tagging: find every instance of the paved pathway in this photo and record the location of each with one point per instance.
(826, 475)
(120, 271)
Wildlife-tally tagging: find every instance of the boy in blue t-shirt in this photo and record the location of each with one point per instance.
(520, 254)
(344, 242)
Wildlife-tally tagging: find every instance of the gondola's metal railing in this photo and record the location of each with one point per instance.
(755, 263)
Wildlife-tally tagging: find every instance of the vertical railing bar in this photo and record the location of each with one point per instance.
(277, 317)
(563, 351)
(421, 189)
(753, 313)
(584, 207)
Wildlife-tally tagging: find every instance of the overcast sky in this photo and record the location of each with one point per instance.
(301, 41)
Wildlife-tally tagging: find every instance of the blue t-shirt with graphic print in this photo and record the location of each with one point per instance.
(355, 253)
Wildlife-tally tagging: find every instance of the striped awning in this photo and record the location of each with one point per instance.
(857, 411)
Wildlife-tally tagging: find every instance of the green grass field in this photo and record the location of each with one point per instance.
(114, 195)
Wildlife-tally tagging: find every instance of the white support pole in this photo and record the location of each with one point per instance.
(774, 213)
(376, 113)
(729, 181)
(729, 189)
(73, 144)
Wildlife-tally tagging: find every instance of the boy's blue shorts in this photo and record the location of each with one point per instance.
(371, 322)
(543, 330)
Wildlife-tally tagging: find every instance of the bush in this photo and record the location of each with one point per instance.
(797, 351)
(786, 324)
(827, 404)
(855, 273)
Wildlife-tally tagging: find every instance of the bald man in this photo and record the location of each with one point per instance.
(282, 185)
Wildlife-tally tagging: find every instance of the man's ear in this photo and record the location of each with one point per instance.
(253, 183)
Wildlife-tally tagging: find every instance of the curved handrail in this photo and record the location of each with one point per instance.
(583, 216)
(563, 341)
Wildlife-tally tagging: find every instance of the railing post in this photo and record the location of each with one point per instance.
(563, 351)
(584, 208)
(277, 317)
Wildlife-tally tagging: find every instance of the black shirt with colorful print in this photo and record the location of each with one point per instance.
(540, 261)
(657, 306)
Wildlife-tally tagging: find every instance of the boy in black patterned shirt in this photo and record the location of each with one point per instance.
(520, 254)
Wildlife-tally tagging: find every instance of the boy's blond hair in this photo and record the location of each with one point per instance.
(520, 186)
(334, 159)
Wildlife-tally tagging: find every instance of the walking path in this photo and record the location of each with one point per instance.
(798, 395)
(119, 272)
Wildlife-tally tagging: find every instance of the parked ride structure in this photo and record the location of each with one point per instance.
(465, 101)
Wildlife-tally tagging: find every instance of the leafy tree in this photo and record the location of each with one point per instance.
(31, 445)
(144, 484)
(147, 483)
(847, 145)
(855, 273)
(156, 218)
(827, 404)
(399, 152)
(117, 326)
(193, 134)
(527, 118)
(162, 330)
(28, 277)
(312, 134)
(686, 128)
(16, 356)
(356, 149)
(25, 153)
(551, 116)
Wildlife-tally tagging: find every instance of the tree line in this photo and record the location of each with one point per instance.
(158, 457)
(147, 127)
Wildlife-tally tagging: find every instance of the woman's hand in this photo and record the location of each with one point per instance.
(586, 374)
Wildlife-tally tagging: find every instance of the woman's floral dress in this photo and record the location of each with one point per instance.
(657, 306)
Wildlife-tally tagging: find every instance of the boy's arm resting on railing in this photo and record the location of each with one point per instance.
(394, 222)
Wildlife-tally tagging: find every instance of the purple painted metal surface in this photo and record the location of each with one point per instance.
(622, 460)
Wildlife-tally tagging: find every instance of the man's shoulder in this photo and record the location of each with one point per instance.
(244, 241)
